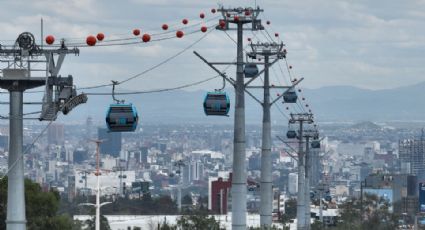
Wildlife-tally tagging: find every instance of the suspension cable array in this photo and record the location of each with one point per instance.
(60, 94)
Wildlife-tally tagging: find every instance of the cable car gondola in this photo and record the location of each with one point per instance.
(315, 144)
(250, 70)
(290, 96)
(216, 104)
(121, 117)
(291, 134)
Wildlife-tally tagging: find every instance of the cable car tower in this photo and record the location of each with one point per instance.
(267, 51)
(302, 119)
(238, 19)
(309, 134)
(60, 95)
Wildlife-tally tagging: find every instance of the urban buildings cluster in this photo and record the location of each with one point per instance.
(384, 160)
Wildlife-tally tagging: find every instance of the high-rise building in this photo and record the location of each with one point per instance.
(71, 188)
(55, 134)
(89, 127)
(293, 183)
(412, 154)
(219, 194)
(316, 168)
(401, 190)
(4, 142)
(80, 155)
(111, 142)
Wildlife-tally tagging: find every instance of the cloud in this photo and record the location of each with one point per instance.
(329, 42)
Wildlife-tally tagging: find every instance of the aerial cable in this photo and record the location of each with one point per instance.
(155, 90)
(142, 73)
(197, 23)
(11, 166)
(166, 60)
(120, 41)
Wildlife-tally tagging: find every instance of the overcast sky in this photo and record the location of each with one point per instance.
(370, 44)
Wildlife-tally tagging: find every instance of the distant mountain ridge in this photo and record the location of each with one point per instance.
(331, 103)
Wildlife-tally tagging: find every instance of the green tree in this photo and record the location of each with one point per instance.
(197, 222)
(41, 208)
(290, 211)
(187, 200)
(104, 225)
(376, 214)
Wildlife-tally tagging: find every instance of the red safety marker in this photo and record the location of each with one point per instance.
(91, 40)
(179, 34)
(146, 38)
(50, 39)
(136, 32)
(100, 36)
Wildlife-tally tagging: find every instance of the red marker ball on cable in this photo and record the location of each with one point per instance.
(50, 39)
(136, 32)
(165, 27)
(146, 38)
(204, 29)
(179, 34)
(185, 21)
(100, 36)
(202, 15)
(91, 40)
(222, 23)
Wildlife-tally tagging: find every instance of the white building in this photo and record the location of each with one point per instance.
(109, 181)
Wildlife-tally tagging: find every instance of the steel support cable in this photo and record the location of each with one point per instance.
(156, 90)
(277, 105)
(142, 73)
(168, 59)
(260, 77)
(197, 23)
(270, 39)
(163, 90)
(10, 167)
(290, 74)
(127, 41)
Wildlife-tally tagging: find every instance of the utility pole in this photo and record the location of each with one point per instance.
(97, 205)
(267, 51)
(17, 78)
(97, 225)
(179, 164)
(301, 118)
(239, 17)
